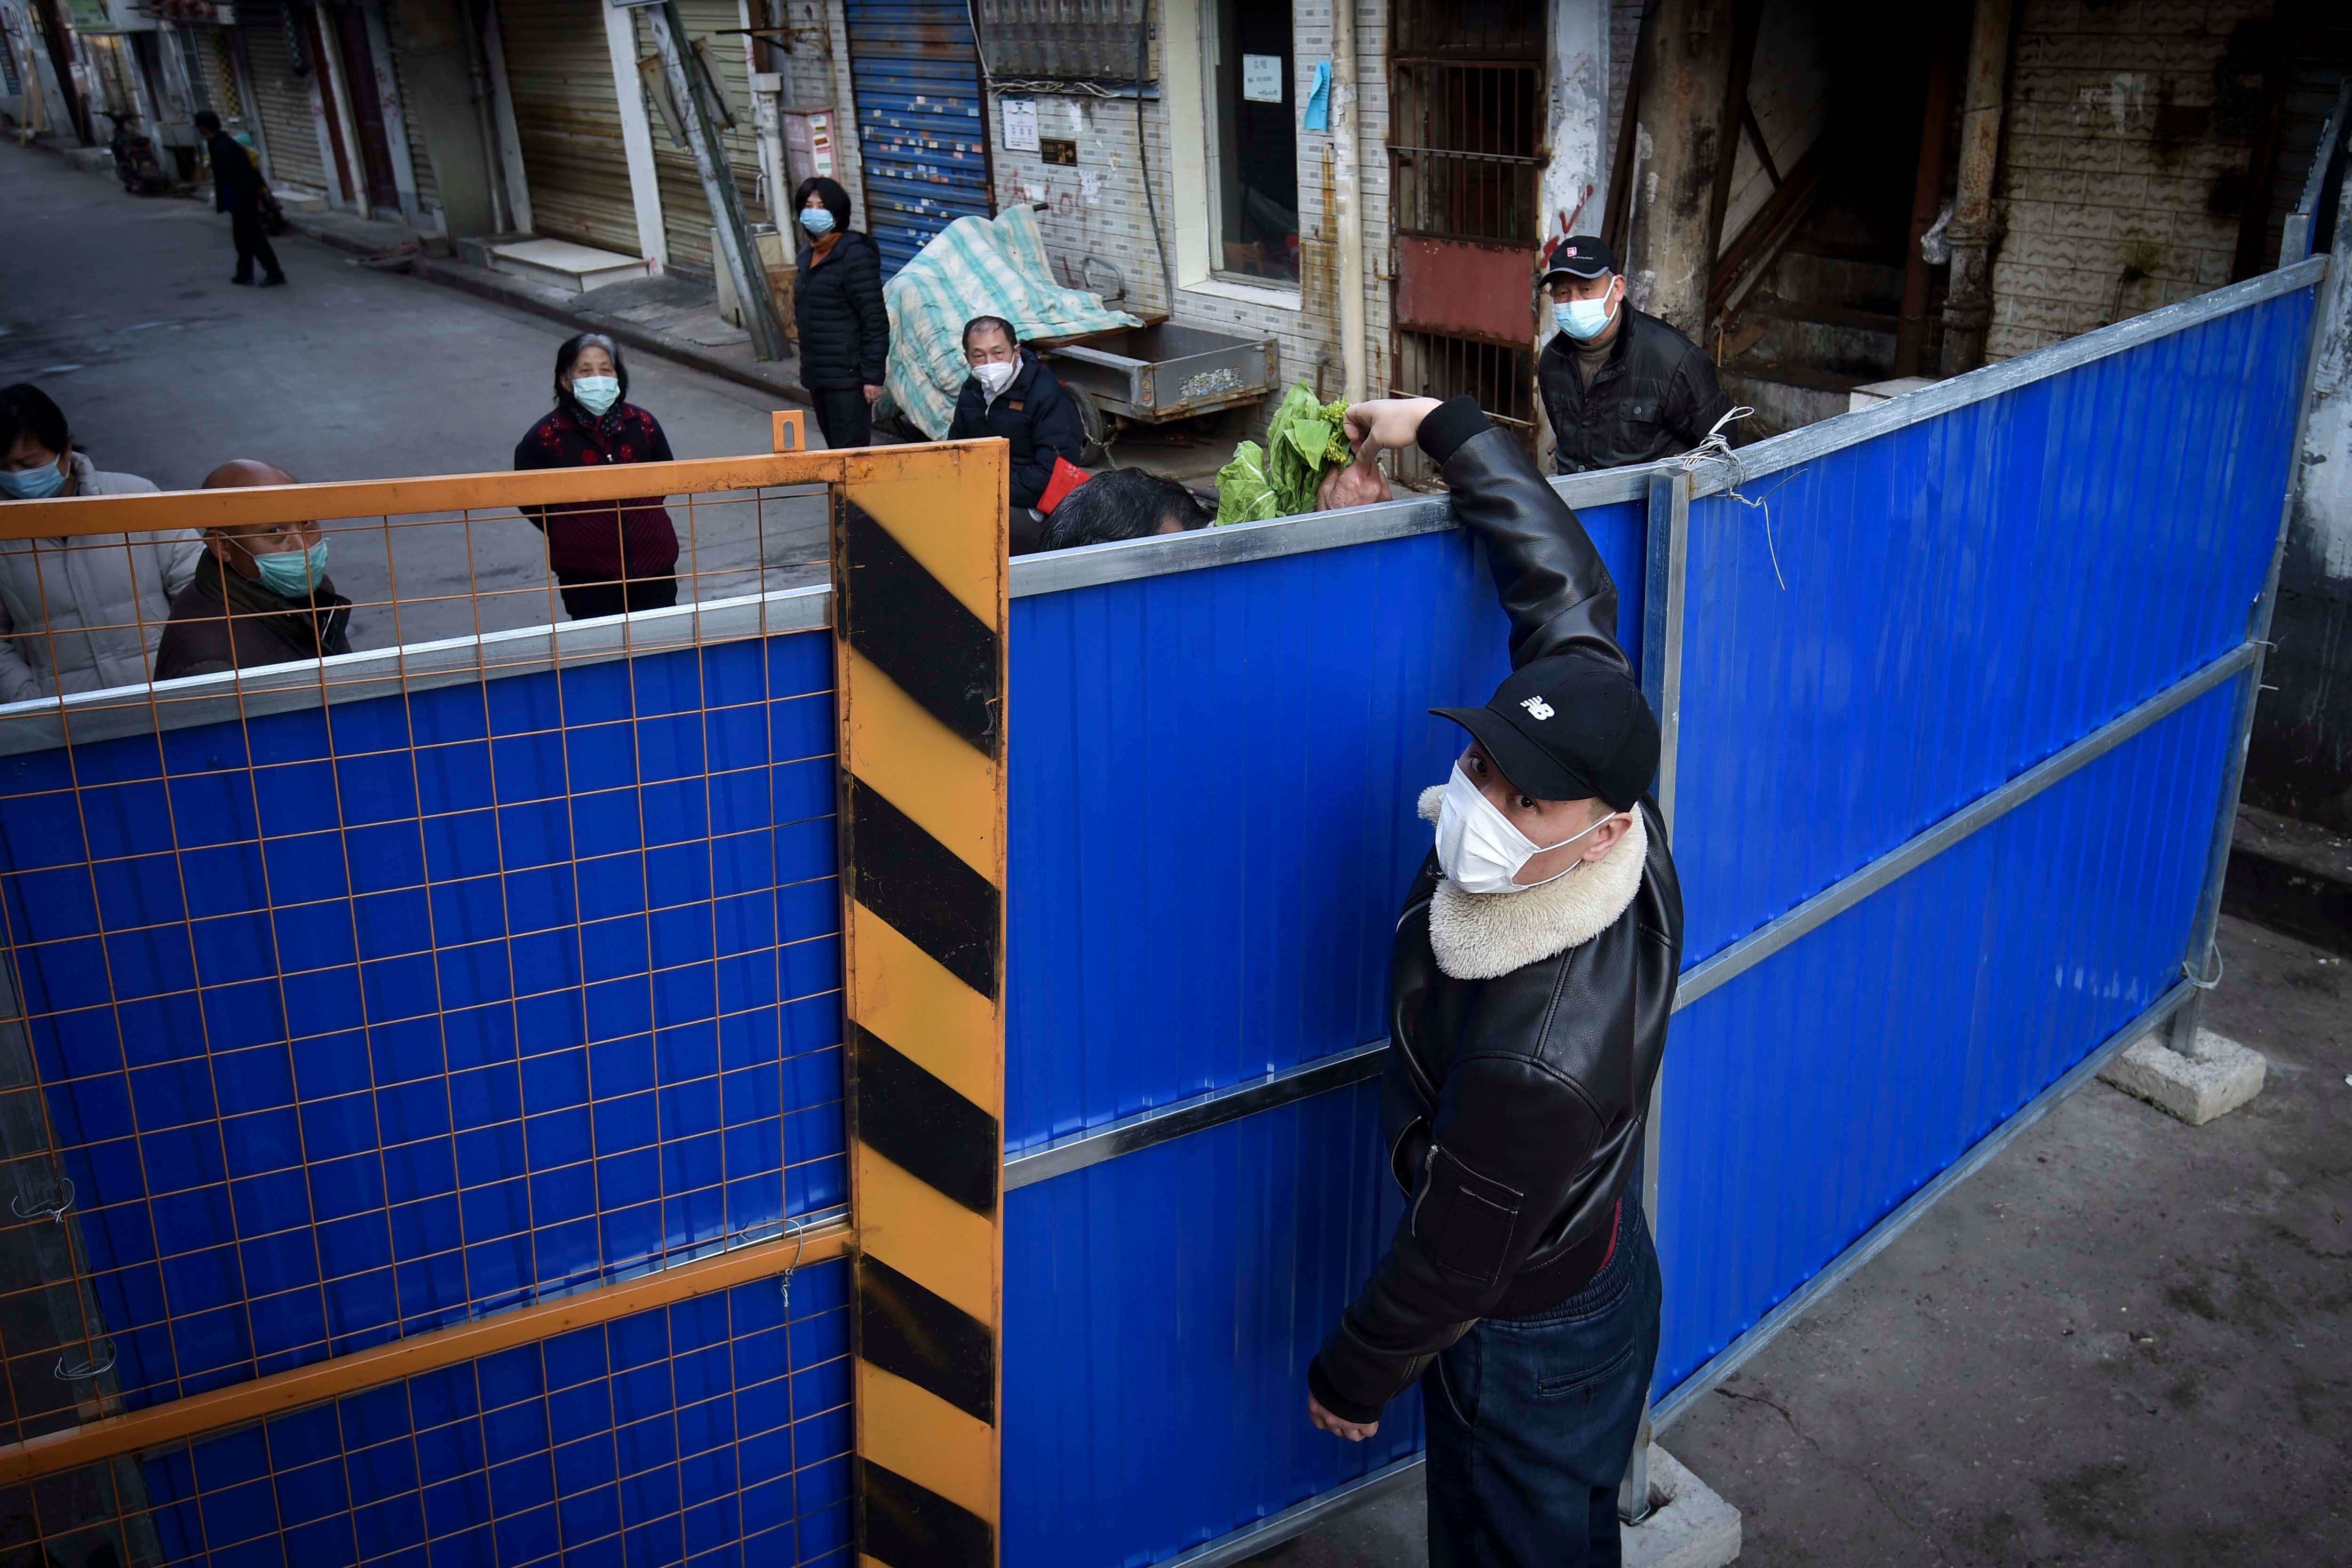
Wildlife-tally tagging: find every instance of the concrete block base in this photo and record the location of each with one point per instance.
(2223, 1076)
(1690, 1527)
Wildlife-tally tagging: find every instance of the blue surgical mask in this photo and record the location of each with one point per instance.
(817, 221)
(1582, 319)
(293, 573)
(596, 392)
(32, 484)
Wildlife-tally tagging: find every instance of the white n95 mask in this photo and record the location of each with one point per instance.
(1479, 850)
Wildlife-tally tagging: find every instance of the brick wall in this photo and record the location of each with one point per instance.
(1098, 208)
(2124, 157)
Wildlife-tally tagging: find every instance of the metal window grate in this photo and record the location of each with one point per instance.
(1501, 379)
(1462, 149)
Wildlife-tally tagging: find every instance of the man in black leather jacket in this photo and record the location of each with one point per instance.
(1530, 982)
(1620, 387)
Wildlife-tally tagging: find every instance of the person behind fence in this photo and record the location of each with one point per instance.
(236, 191)
(609, 557)
(1010, 393)
(84, 613)
(1530, 984)
(844, 328)
(1618, 388)
(1125, 503)
(261, 594)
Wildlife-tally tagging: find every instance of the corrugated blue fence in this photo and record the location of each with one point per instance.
(352, 1021)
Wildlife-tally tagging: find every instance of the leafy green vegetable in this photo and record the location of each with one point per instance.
(1306, 439)
(1242, 494)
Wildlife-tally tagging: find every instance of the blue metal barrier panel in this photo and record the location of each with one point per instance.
(359, 1020)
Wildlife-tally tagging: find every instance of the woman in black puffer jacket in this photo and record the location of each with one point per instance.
(837, 302)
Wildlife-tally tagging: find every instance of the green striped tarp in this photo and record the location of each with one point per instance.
(976, 267)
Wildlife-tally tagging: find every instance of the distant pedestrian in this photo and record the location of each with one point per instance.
(1010, 393)
(609, 557)
(1125, 503)
(84, 613)
(261, 593)
(236, 191)
(837, 302)
(1618, 388)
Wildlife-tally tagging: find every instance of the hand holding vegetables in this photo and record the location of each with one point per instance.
(1357, 483)
(1303, 443)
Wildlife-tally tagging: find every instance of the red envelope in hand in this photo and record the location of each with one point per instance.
(1067, 477)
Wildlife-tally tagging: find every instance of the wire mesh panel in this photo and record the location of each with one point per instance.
(715, 1431)
(427, 951)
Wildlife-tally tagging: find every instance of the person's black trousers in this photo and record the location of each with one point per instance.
(844, 415)
(252, 245)
(1531, 1420)
(586, 597)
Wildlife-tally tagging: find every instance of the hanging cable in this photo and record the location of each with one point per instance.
(1143, 156)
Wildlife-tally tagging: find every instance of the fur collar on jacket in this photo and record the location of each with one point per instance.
(1479, 936)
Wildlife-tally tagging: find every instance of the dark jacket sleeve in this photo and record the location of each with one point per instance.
(532, 453)
(1551, 580)
(1694, 401)
(1508, 1140)
(1054, 432)
(864, 282)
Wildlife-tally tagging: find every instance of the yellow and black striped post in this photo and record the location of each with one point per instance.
(919, 577)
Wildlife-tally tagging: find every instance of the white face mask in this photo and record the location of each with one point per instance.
(1478, 848)
(1583, 319)
(996, 377)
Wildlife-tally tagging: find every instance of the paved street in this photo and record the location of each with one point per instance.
(2119, 1345)
(120, 307)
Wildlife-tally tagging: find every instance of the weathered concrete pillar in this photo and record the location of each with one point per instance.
(1573, 191)
(1669, 251)
(1975, 229)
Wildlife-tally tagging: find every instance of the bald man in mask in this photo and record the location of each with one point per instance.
(260, 596)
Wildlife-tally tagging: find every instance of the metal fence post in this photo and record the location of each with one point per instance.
(2331, 299)
(1666, 578)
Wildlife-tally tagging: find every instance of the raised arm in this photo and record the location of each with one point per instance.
(1549, 577)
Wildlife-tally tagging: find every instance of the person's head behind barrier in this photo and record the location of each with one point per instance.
(208, 122)
(34, 444)
(1582, 283)
(1125, 503)
(591, 375)
(288, 558)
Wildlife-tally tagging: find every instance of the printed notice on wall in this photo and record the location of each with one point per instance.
(1020, 124)
(1262, 78)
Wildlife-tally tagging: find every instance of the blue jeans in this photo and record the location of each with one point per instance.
(1531, 1420)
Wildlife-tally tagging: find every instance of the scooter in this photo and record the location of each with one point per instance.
(135, 163)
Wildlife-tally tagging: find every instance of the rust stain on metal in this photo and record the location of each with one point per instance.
(1463, 288)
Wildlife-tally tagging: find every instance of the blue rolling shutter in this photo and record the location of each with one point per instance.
(920, 125)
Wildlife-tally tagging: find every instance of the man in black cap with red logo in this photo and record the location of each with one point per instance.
(1529, 984)
(1620, 387)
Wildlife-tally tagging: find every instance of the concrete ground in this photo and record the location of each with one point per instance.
(119, 307)
(2125, 1343)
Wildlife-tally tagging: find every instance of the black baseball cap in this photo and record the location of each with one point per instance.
(1579, 256)
(1571, 727)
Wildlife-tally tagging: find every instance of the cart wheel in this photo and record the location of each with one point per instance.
(1091, 422)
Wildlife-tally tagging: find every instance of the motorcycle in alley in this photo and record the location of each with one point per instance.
(135, 163)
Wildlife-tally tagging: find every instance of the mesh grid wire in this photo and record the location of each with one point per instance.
(352, 1005)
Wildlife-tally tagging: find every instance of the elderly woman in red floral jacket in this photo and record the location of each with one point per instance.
(609, 557)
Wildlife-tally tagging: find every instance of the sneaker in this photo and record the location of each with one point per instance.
(275, 280)
(245, 282)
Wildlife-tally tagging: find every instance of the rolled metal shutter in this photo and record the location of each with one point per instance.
(715, 25)
(569, 123)
(919, 127)
(290, 132)
(420, 157)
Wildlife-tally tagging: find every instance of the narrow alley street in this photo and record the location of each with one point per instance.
(120, 307)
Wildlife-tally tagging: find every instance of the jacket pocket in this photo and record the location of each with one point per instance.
(1465, 1221)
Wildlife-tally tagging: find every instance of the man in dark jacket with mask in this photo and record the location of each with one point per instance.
(260, 596)
(1009, 393)
(236, 191)
(1529, 985)
(1618, 388)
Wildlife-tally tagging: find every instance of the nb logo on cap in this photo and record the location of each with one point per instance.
(1538, 707)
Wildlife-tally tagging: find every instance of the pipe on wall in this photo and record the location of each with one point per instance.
(1975, 229)
(1346, 200)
